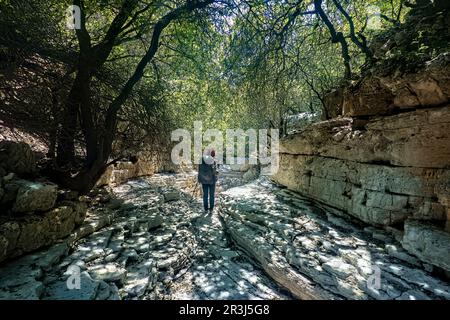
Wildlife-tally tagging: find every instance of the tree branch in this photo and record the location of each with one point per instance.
(114, 107)
(362, 45)
(336, 37)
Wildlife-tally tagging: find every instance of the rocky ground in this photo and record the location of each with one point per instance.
(150, 239)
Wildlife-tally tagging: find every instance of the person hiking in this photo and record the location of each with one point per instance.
(207, 176)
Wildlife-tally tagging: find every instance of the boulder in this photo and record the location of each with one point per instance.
(108, 272)
(171, 196)
(10, 187)
(32, 232)
(17, 157)
(35, 196)
(429, 243)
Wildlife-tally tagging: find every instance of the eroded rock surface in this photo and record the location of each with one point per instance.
(35, 196)
(318, 255)
(31, 232)
(145, 244)
(428, 242)
(389, 170)
(383, 94)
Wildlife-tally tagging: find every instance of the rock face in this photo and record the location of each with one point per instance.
(124, 171)
(411, 71)
(147, 163)
(393, 169)
(17, 157)
(382, 95)
(384, 157)
(30, 215)
(414, 139)
(428, 243)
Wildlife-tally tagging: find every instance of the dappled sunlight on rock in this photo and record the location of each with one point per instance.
(262, 242)
(317, 255)
(158, 244)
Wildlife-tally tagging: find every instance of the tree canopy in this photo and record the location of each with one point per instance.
(135, 70)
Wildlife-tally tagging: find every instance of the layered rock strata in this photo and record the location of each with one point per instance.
(34, 213)
(383, 171)
(317, 255)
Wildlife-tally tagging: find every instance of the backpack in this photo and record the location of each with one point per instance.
(206, 173)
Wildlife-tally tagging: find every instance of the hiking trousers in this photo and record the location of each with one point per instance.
(208, 194)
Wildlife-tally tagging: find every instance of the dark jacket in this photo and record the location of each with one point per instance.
(207, 171)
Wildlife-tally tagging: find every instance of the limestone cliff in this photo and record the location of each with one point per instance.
(385, 157)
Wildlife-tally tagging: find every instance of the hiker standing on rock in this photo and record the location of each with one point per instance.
(207, 176)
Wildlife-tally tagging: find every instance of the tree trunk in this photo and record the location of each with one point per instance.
(99, 144)
(53, 132)
(66, 140)
(79, 96)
